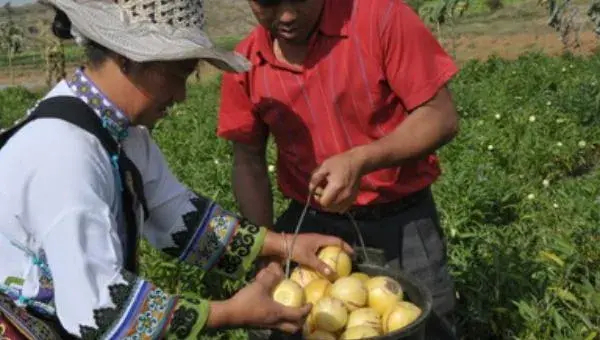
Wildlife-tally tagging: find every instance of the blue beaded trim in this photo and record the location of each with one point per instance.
(113, 119)
(16, 294)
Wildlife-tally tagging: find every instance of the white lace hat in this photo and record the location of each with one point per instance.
(148, 30)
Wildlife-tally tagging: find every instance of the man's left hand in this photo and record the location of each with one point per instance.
(336, 182)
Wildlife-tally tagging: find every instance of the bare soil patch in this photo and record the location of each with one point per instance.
(511, 46)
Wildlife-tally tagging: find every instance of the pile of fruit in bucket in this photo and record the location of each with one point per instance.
(352, 306)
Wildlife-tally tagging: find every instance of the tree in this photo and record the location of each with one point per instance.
(11, 39)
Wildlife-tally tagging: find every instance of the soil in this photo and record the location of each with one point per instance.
(506, 33)
(511, 46)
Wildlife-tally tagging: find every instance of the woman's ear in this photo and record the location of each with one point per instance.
(124, 64)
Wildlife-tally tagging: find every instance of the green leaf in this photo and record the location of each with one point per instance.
(552, 257)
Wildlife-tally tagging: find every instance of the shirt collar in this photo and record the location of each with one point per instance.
(334, 23)
(113, 119)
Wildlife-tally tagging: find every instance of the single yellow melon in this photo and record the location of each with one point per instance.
(359, 332)
(289, 293)
(399, 316)
(320, 334)
(351, 291)
(309, 325)
(330, 314)
(361, 276)
(316, 289)
(365, 316)
(303, 276)
(384, 292)
(337, 259)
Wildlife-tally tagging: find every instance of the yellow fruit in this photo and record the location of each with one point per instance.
(399, 316)
(320, 335)
(337, 259)
(384, 292)
(365, 316)
(359, 332)
(361, 276)
(351, 291)
(289, 293)
(309, 325)
(316, 289)
(303, 276)
(330, 314)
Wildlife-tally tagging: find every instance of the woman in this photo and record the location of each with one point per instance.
(84, 179)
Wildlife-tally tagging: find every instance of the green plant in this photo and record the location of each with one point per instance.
(11, 39)
(519, 196)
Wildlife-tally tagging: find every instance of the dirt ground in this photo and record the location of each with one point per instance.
(511, 46)
(464, 47)
(507, 33)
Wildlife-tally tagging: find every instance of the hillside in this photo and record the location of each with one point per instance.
(224, 17)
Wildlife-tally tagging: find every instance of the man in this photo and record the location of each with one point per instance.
(82, 181)
(354, 93)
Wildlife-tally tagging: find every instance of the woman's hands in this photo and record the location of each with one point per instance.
(305, 249)
(253, 306)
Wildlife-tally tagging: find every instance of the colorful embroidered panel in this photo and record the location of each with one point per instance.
(144, 311)
(114, 120)
(43, 302)
(8, 331)
(17, 322)
(220, 240)
(189, 318)
(243, 249)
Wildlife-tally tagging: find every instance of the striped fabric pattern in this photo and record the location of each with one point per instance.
(370, 63)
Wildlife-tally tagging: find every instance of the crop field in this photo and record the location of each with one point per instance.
(520, 192)
(519, 196)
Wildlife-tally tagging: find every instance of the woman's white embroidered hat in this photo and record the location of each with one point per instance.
(148, 30)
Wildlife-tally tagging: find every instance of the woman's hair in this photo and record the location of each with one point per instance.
(61, 27)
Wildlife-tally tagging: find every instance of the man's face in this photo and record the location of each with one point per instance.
(289, 20)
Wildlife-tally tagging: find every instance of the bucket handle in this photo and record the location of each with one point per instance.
(301, 219)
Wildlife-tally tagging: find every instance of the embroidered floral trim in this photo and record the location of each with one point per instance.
(7, 330)
(242, 250)
(24, 323)
(189, 318)
(216, 238)
(144, 311)
(113, 119)
(212, 238)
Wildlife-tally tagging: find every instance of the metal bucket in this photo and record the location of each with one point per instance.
(413, 292)
(372, 262)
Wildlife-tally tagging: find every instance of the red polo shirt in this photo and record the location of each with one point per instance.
(369, 62)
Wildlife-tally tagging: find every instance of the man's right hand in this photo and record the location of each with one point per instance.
(253, 306)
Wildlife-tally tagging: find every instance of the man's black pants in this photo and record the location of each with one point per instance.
(411, 240)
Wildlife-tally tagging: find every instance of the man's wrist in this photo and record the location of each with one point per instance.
(365, 158)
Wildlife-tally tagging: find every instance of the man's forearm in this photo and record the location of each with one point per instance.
(252, 187)
(422, 133)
